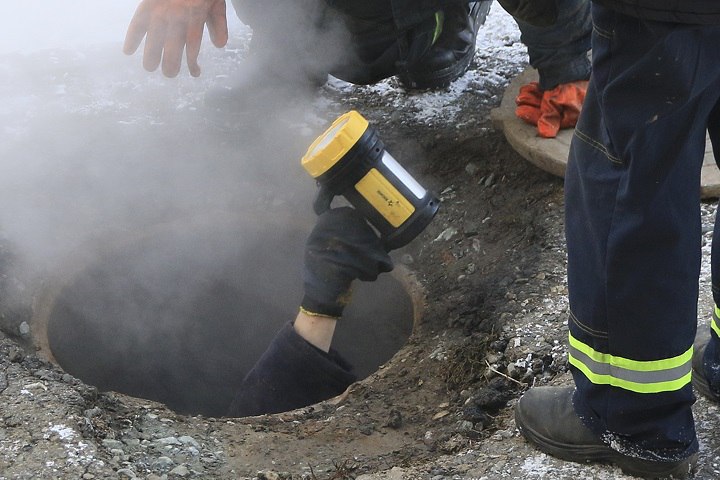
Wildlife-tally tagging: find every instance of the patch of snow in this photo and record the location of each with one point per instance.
(62, 431)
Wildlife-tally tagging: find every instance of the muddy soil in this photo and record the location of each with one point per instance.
(492, 270)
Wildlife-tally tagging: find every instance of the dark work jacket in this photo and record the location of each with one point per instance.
(290, 374)
(696, 12)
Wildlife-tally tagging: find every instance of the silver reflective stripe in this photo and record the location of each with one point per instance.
(634, 376)
(640, 376)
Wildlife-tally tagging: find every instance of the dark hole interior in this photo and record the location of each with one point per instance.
(182, 315)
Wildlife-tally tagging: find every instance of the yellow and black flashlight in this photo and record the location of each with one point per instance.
(349, 159)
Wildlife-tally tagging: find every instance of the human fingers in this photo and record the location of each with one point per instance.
(192, 46)
(137, 28)
(217, 23)
(173, 49)
(154, 44)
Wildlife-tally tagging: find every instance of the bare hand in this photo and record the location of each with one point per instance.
(174, 25)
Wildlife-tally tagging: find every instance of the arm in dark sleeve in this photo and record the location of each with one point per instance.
(291, 374)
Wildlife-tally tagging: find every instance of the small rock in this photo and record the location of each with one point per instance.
(493, 358)
(268, 475)
(180, 471)
(163, 463)
(93, 412)
(169, 441)
(489, 399)
(446, 234)
(188, 440)
(441, 414)
(471, 228)
(24, 329)
(15, 355)
(117, 452)
(471, 168)
(465, 426)
(537, 366)
(367, 429)
(394, 419)
(126, 473)
(474, 414)
(438, 471)
(111, 444)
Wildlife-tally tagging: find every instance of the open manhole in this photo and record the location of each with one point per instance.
(180, 315)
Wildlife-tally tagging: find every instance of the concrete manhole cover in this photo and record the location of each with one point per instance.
(550, 154)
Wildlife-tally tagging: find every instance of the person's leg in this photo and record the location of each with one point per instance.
(560, 52)
(706, 362)
(363, 42)
(633, 230)
(410, 38)
(373, 51)
(452, 51)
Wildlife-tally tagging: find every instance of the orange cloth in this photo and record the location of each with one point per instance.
(551, 110)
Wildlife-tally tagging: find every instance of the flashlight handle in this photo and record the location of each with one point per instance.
(323, 199)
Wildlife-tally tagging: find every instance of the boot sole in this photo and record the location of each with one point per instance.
(444, 77)
(604, 454)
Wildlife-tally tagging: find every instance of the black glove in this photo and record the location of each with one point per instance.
(540, 13)
(341, 248)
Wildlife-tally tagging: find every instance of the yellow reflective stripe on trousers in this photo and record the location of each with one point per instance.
(714, 324)
(653, 376)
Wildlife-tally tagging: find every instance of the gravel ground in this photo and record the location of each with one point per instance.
(87, 137)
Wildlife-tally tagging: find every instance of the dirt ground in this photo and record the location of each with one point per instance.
(491, 266)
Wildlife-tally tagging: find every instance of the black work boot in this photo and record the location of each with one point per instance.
(546, 417)
(453, 50)
(699, 377)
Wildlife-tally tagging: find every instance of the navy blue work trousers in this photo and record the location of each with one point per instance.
(633, 229)
(560, 52)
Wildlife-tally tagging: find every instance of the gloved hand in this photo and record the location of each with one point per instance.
(551, 110)
(341, 248)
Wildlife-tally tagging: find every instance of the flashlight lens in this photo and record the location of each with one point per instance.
(328, 137)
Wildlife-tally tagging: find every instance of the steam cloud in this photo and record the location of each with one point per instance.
(92, 144)
(96, 153)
